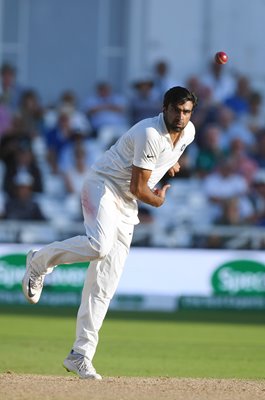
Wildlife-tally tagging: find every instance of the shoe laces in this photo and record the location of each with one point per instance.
(85, 365)
(36, 280)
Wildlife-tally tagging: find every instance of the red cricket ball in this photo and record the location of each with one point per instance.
(221, 57)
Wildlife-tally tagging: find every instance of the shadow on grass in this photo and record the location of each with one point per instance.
(214, 316)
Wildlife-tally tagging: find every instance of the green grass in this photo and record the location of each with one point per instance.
(184, 344)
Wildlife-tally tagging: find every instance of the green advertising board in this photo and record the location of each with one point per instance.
(237, 284)
(198, 279)
(239, 278)
(63, 286)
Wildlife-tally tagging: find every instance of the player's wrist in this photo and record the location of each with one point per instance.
(159, 201)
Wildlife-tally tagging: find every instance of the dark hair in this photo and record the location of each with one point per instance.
(7, 67)
(179, 95)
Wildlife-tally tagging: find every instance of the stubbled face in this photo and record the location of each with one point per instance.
(177, 116)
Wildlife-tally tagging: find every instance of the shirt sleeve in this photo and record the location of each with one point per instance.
(146, 149)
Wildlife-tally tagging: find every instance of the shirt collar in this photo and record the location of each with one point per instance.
(164, 130)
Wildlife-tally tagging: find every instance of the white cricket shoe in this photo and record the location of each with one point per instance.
(32, 282)
(81, 365)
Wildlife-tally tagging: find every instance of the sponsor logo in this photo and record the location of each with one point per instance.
(64, 278)
(29, 290)
(149, 156)
(12, 269)
(183, 147)
(240, 277)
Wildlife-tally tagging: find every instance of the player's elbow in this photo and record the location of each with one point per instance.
(134, 189)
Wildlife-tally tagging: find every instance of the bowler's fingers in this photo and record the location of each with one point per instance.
(173, 170)
(164, 189)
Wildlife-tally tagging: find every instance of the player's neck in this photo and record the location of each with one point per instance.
(175, 136)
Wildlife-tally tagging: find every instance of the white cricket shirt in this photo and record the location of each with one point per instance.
(146, 145)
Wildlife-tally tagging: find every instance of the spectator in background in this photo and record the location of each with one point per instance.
(206, 112)
(186, 163)
(54, 185)
(224, 184)
(67, 105)
(221, 83)
(225, 119)
(144, 102)
(231, 129)
(239, 101)
(245, 165)
(162, 79)
(79, 138)
(259, 155)
(74, 176)
(210, 152)
(31, 113)
(5, 118)
(10, 90)
(231, 214)
(24, 162)
(59, 136)
(195, 85)
(15, 137)
(74, 179)
(255, 118)
(106, 109)
(257, 196)
(22, 206)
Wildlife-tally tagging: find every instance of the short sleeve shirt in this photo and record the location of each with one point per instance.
(147, 145)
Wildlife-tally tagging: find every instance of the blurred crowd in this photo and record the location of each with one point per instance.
(45, 150)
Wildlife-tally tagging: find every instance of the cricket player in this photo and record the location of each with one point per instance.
(127, 172)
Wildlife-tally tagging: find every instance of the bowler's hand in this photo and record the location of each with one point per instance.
(174, 170)
(161, 192)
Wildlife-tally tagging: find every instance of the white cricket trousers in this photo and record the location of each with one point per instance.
(106, 247)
